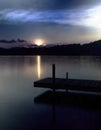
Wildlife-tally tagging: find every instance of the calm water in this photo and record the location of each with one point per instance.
(18, 111)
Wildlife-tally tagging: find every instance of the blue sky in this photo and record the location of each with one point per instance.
(71, 21)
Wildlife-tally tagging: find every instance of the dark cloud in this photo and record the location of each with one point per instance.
(73, 4)
(62, 4)
(47, 4)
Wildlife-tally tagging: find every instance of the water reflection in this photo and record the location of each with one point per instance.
(39, 66)
(17, 110)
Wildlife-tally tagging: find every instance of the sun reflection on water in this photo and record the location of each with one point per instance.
(39, 66)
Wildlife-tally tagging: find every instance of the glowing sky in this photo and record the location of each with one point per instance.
(53, 20)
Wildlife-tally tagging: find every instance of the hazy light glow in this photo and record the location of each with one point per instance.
(94, 17)
(39, 42)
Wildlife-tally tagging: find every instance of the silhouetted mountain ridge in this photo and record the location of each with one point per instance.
(93, 48)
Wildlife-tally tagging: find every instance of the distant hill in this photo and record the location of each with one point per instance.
(93, 48)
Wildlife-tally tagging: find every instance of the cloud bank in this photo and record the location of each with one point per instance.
(71, 20)
(67, 17)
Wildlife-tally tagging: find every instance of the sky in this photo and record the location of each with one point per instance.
(55, 21)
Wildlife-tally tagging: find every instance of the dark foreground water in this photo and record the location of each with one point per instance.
(19, 111)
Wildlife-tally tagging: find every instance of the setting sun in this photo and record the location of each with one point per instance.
(39, 42)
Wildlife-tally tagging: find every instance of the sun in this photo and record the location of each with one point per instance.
(39, 42)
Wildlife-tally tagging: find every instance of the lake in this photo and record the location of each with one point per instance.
(18, 111)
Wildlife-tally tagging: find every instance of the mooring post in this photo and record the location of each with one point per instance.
(53, 75)
(66, 75)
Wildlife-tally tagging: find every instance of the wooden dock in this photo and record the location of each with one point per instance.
(68, 84)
